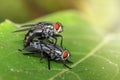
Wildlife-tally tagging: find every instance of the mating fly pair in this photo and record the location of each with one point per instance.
(42, 38)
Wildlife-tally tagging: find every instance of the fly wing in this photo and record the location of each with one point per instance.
(46, 49)
(26, 29)
(55, 49)
(34, 47)
(33, 25)
(31, 49)
(29, 25)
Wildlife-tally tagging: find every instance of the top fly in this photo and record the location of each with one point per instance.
(41, 31)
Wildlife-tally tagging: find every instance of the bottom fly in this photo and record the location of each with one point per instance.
(50, 51)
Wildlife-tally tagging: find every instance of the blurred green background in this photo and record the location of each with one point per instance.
(103, 14)
(26, 10)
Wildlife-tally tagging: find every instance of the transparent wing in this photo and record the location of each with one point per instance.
(26, 29)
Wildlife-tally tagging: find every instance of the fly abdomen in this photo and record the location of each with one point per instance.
(32, 36)
(27, 38)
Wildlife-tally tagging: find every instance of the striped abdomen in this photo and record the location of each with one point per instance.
(33, 35)
(28, 38)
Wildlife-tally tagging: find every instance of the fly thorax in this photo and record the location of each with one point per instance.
(38, 31)
(52, 56)
(49, 29)
(58, 53)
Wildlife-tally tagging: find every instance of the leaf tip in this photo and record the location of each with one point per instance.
(8, 21)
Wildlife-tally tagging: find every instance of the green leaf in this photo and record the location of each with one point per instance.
(95, 56)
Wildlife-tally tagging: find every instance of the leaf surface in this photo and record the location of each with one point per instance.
(95, 57)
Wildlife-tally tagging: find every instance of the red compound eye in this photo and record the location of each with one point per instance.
(57, 26)
(65, 54)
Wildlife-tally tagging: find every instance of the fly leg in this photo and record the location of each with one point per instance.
(54, 40)
(66, 65)
(58, 35)
(41, 52)
(69, 61)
